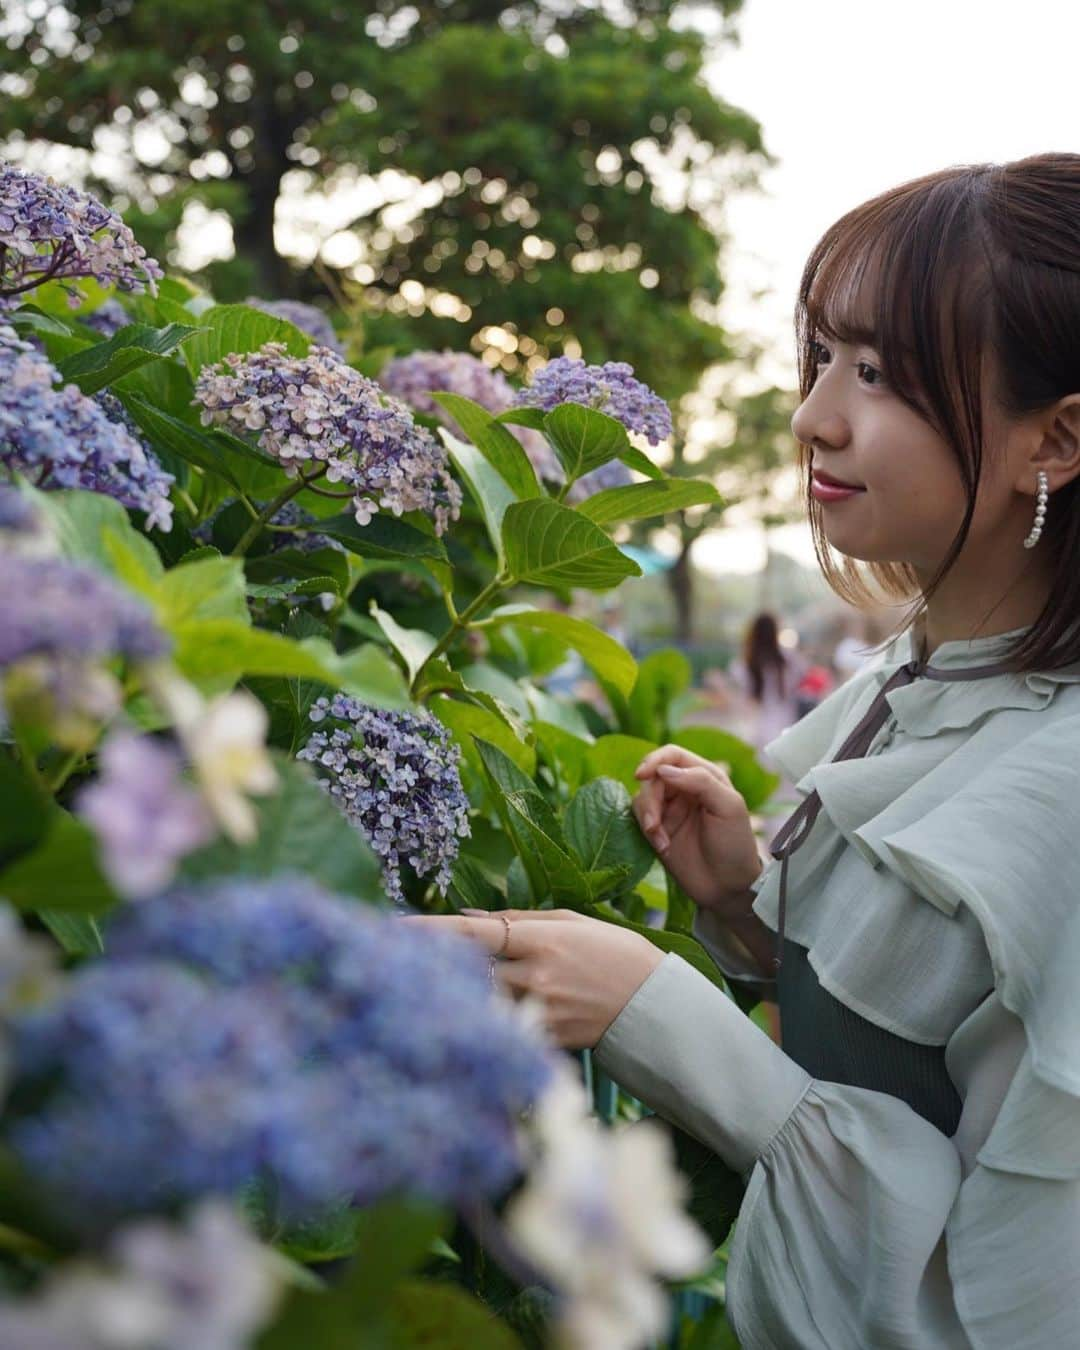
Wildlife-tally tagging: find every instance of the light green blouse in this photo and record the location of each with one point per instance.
(939, 897)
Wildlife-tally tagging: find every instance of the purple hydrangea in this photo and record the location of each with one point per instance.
(414, 378)
(271, 1031)
(17, 513)
(610, 388)
(53, 608)
(317, 412)
(395, 775)
(108, 318)
(145, 816)
(49, 231)
(308, 318)
(62, 439)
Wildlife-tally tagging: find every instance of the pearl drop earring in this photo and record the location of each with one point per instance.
(1041, 498)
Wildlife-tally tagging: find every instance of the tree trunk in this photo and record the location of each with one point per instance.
(681, 582)
(273, 134)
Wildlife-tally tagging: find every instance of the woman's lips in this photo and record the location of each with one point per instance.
(823, 490)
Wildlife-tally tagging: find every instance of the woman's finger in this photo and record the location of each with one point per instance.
(667, 754)
(488, 930)
(704, 787)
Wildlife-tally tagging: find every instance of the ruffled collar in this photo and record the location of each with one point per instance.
(927, 707)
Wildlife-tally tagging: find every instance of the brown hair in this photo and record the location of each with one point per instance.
(971, 268)
(761, 648)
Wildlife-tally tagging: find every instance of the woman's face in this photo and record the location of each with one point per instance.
(912, 499)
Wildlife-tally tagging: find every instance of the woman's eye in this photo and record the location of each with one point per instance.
(820, 353)
(873, 376)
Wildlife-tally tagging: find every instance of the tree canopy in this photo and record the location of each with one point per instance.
(533, 178)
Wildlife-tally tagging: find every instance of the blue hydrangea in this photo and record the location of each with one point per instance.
(308, 318)
(49, 231)
(53, 608)
(271, 1031)
(395, 775)
(317, 415)
(60, 438)
(610, 388)
(17, 512)
(108, 318)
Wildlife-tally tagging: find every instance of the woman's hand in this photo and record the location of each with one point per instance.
(582, 971)
(699, 825)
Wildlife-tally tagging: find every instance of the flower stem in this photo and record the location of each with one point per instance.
(63, 771)
(251, 533)
(461, 621)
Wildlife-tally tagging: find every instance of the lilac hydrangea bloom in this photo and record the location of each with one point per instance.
(317, 411)
(271, 1030)
(108, 318)
(610, 388)
(144, 815)
(62, 439)
(49, 231)
(308, 318)
(17, 512)
(414, 378)
(395, 775)
(50, 607)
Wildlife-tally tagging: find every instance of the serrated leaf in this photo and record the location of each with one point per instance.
(382, 537)
(600, 828)
(533, 418)
(547, 544)
(638, 501)
(242, 329)
(103, 363)
(609, 659)
(498, 446)
(583, 438)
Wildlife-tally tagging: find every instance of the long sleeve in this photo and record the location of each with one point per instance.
(863, 1225)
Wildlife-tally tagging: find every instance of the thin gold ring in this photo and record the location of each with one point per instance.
(505, 947)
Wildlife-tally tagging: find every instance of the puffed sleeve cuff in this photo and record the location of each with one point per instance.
(682, 1047)
(731, 957)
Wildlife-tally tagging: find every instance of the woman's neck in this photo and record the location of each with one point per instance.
(966, 606)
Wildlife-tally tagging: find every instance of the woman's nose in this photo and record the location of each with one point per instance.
(812, 422)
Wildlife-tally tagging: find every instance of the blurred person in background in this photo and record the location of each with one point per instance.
(769, 678)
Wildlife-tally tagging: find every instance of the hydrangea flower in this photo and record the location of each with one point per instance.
(317, 412)
(144, 815)
(204, 1284)
(108, 318)
(395, 775)
(59, 623)
(62, 439)
(270, 1030)
(49, 231)
(22, 529)
(610, 388)
(54, 608)
(414, 378)
(308, 318)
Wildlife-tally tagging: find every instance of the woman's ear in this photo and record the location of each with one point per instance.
(1058, 451)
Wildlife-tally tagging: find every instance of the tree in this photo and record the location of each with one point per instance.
(563, 168)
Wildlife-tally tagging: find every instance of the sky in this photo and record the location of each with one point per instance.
(856, 96)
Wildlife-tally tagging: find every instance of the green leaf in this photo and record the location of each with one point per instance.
(583, 438)
(77, 934)
(638, 501)
(242, 329)
(608, 658)
(617, 757)
(487, 487)
(413, 645)
(301, 830)
(533, 418)
(438, 678)
(662, 676)
(103, 363)
(62, 873)
(426, 1314)
(498, 446)
(467, 721)
(547, 544)
(24, 811)
(208, 451)
(86, 526)
(205, 588)
(382, 537)
(564, 752)
(601, 829)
